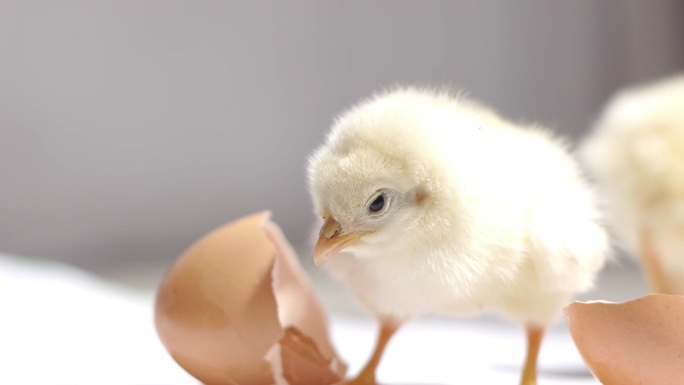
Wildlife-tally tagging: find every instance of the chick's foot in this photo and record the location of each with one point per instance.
(535, 334)
(360, 380)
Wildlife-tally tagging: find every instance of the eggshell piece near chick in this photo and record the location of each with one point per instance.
(632, 343)
(229, 300)
(297, 360)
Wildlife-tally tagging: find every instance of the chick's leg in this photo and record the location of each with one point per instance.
(534, 339)
(367, 375)
(652, 265)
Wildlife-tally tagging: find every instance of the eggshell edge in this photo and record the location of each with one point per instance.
(617, 339)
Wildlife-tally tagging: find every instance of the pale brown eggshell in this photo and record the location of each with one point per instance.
(296, 360)
(228, 301)
(640, 342)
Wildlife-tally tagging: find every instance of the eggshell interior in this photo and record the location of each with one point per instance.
(229, 300)
(630, 343)
(297, 360)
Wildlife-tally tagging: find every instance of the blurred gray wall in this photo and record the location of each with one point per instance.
(128, 129)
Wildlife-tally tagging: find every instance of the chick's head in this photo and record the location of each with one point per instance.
(365, 200)
(368, 184)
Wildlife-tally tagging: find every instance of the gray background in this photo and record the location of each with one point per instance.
(129, 129)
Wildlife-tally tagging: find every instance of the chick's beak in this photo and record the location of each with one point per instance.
(330, 242)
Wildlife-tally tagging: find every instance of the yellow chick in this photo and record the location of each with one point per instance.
(636, 153)
(432, 203)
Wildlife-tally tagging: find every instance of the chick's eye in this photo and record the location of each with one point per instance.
(377, 204)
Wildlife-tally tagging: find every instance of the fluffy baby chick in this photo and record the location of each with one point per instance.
(636, 152)
(433, 203)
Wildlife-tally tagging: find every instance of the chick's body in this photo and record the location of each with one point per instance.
(482, 214)
(636, 153)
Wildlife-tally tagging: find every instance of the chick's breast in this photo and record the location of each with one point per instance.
(507, 222)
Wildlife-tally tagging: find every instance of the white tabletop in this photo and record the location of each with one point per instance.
(60, 325)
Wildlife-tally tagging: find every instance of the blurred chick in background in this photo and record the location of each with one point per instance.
(433, 203)
(636, 153)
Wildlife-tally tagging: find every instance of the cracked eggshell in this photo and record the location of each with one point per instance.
(228, 301)
(632, 343)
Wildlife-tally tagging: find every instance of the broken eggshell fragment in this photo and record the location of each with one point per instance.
(295, 359)
(237, 305)
(631, 343)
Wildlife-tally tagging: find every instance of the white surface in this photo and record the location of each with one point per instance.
(59, 325)
(443, 352)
